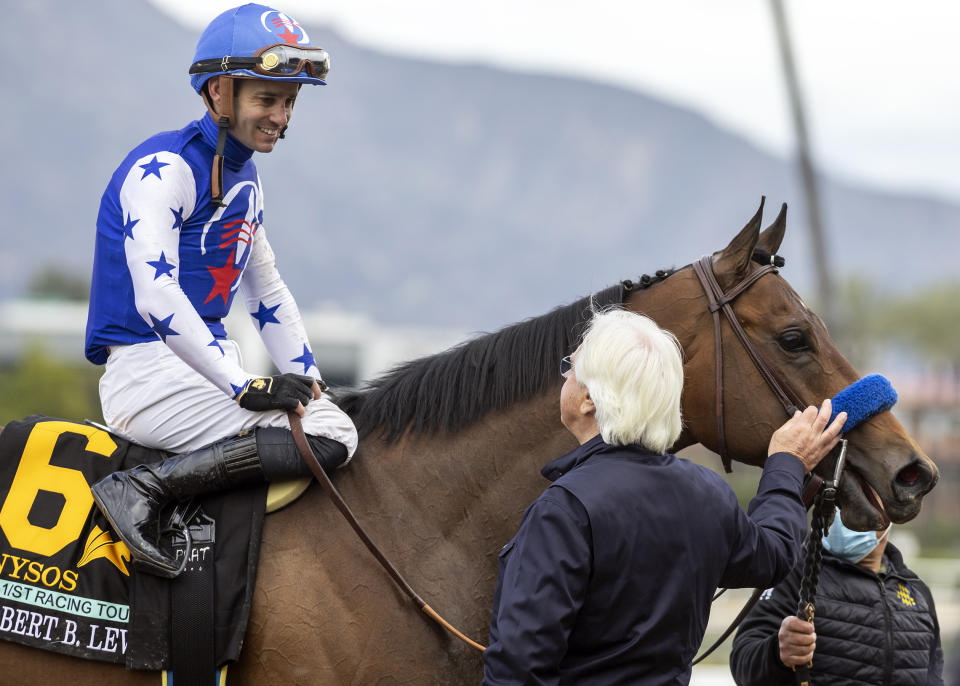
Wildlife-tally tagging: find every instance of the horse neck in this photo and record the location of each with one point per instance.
(678, 305)
(477, 481)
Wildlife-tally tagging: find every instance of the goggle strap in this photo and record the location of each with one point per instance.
(223, 64)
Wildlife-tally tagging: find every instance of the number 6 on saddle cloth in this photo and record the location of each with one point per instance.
(66, 582)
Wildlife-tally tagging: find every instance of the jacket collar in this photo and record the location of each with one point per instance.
(235, 153)
(560, 466)
(895, 563)
(892, 558)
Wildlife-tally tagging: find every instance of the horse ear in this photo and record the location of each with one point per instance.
(772, 236)
(731, 265)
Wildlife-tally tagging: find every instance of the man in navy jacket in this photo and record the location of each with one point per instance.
(610, 577)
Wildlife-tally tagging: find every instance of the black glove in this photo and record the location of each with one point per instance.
(280, 392)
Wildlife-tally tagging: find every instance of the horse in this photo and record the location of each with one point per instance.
(450, 455)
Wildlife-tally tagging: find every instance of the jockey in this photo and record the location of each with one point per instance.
(180, 230)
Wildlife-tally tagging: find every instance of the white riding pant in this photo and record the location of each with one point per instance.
(152, 397)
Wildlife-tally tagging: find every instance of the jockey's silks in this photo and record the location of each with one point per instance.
(168, 261)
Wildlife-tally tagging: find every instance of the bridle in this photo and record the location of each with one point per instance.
(719, 301)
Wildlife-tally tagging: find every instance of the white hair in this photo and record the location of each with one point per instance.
(633, 370)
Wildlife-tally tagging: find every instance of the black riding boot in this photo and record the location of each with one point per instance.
(131, 500)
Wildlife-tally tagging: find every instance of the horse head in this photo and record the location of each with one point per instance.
(887, 474)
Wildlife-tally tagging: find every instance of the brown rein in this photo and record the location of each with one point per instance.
(307, 453)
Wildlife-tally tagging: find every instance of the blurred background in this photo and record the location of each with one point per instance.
(473, 164)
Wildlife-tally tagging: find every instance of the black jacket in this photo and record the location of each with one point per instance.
(610, 577)
(876, 629)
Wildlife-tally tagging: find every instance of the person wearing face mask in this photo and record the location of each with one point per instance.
(875, 621)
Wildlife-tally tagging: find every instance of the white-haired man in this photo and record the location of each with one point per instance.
(610, 576)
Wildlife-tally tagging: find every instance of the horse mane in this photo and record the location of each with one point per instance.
(452, 389)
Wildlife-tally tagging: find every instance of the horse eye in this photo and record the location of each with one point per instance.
(794, 341)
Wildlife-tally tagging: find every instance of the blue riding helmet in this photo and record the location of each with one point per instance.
(258, 42)
(251, 41)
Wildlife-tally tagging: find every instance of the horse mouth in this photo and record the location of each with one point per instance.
(863, 508)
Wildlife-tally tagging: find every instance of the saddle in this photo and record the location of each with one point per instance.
(67, 586)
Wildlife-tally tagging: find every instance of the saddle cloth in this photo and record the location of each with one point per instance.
(67, 584)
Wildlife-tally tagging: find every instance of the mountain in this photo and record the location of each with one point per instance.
(422, 192)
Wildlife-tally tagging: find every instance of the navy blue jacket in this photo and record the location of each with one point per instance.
(610, 577)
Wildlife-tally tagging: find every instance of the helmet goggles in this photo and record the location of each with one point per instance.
(277, 60)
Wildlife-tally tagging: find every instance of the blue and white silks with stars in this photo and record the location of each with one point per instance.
(167, 265)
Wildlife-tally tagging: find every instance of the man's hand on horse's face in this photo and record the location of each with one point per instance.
(280, 392)
(807, 435)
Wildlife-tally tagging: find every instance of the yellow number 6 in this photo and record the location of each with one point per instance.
(36, 474)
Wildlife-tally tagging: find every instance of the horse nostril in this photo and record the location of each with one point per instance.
(913, 482)
(909, 474)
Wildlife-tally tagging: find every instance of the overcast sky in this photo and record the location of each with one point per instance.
(881, 78)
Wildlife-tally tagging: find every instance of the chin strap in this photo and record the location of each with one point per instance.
(216, 173)
(223, 124)
(223, 120)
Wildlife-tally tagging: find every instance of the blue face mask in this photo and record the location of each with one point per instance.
(850, 545)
